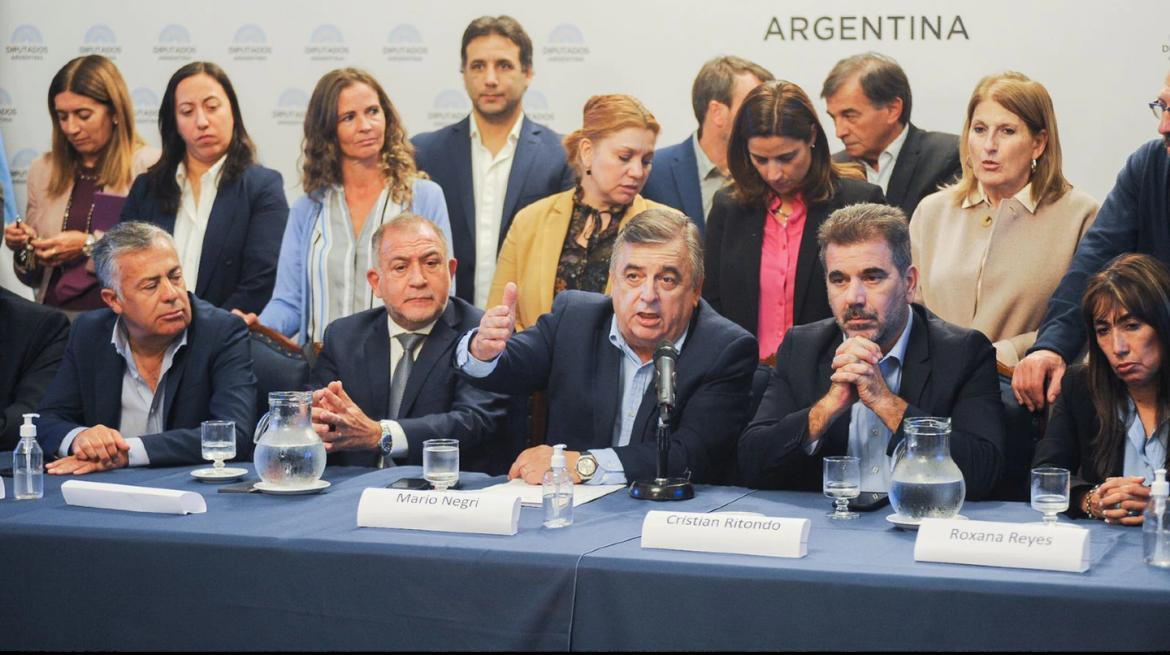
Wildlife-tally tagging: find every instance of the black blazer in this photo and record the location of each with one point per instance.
(1068, 439)
(210, 378)
(32, 343)
(436, 403)
(949, 371)
(538, 170)
(927, 162)
(237, 267)
(568, 353)
(735, 238)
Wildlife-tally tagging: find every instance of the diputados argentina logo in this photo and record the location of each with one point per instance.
(250, 44)
(404, 43)
(867, 28)
(100, 40)
(326, 44)
(26, 43)
(174, 44)
(566, 43)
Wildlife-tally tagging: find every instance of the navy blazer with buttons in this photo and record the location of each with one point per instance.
(569, 354)
(538, 170)
(436, 404)
(210, 378)
(674, 181)
(237, 266)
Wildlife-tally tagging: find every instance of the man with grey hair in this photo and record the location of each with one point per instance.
(843, 386)
(384, 378)
(687, 175)
(593, 355)
(140, 376)
(868, 97)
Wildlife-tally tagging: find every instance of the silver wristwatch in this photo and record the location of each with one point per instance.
(586, 466)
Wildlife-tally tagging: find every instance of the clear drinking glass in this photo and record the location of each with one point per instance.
(441, 462)
(219, 441)
(1049, 492)
(842, 481)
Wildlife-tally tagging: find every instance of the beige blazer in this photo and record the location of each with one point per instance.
(994, 271)
(45, 213)
(532, 251)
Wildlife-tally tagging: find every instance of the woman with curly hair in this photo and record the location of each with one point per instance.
(357, 172)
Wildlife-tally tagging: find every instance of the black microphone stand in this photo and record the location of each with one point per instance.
(662, 487)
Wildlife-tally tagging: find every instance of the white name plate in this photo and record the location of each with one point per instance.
(744, 534)
(1014, 545)
(441, 511)
(104, 495)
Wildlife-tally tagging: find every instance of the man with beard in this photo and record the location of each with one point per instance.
(842, 386)
(496, 161)
(1134, 218)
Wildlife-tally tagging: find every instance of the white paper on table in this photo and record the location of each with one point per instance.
(104, 495)
(531, 495)
(441, 511)
(726, 532)
(1013, 545)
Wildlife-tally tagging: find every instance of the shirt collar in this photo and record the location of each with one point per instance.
(895, 147)
(396, 329)
(214, 171)
(706, 167)
(1135, 431)
(619, 341)
(513, 134)
(979, 197)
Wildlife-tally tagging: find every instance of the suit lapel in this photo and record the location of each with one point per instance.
(806, 270)
(904, 167)
(916, 368)
(437, 343)
(460, 142)
(107, 382)
(607, 383)
(685, 169)
(376, 353)
(219, 224)
(753, 241)
(522, 161)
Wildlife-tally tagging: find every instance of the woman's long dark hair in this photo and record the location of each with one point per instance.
(1138, 285)
(240, 153)
(781, 108)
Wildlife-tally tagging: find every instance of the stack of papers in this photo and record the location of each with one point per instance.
(530, 494)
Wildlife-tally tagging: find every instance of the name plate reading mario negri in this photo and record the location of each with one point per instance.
(441, 511)
(1013, 545)
(743, 534)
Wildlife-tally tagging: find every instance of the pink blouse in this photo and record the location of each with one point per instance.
(778, 272)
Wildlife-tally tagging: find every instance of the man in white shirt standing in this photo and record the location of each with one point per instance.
(868, 97)
(496, 161)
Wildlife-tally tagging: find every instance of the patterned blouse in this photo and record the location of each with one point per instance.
(584, 263)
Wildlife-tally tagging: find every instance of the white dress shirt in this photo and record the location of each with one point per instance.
(886, 162)
(191, 219)
(489, 178)
(399, 446)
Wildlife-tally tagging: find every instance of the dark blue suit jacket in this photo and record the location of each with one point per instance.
(674, 181)
(33, 338)
(949, 371)
(568, 352)
(539, 169)
(1135, 217)
(237, 267)
(436, 403)
(210, 378)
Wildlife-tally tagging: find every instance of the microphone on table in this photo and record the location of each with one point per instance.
(663, 487)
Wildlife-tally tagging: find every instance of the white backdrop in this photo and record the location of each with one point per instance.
(1101, 61)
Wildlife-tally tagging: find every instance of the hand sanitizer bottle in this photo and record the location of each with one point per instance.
(28, 477)
(558, 492)
(1156, 524)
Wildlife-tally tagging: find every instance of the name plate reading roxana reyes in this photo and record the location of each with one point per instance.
(744, 534)
(1013, 545)
(441, 511)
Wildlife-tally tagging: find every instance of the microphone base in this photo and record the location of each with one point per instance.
(662, 489)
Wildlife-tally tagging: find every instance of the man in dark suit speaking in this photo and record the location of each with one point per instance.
(868, 98)
(496, 161)
(141, 375)
(593, 354)
(843, 385)
(385, 376)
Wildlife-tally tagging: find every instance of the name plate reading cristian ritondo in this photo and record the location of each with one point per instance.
(441, 511)
(743, 534)
(1014, 545)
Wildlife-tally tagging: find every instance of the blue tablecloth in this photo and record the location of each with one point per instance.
(295, 573)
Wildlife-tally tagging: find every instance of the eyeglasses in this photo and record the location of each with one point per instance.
(1159, 108)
